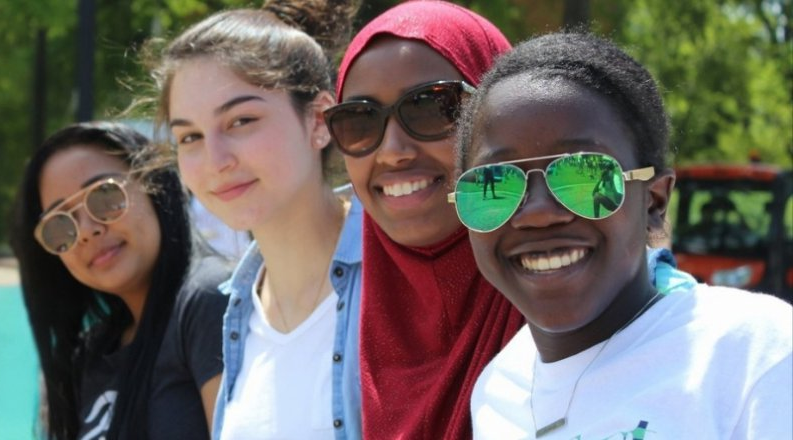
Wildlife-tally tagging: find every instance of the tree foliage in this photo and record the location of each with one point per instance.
(725, 66)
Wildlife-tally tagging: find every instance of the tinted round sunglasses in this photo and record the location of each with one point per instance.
(426, 112)
(590, 185)
(105, 201)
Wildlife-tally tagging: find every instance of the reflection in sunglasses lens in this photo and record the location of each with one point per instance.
(426, 113)
(589, 185)
(106, 202)
(59, 233)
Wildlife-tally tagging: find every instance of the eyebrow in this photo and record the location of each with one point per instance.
(84, 185)
(503, 153)
(226, 106)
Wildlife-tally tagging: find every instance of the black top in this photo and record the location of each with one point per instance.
(190, 355)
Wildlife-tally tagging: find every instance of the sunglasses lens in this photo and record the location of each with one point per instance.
(589, 185)
(356, 127)
(430, 113)
(58, 233)
(487, 196)
(107, 202)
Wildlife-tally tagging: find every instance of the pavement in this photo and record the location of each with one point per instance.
(8, 272)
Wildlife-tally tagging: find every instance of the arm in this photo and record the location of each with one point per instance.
(209, 392)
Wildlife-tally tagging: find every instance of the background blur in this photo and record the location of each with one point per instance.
(726, 66)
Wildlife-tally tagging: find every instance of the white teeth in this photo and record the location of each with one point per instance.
(404, 188)
(551, 261)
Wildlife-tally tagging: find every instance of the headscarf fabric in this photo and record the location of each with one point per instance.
(429, 321)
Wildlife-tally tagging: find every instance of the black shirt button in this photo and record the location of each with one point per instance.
(336, 357)
(337, 423)
(237, 301)
(234, 336)
(338, 271)
(340, 305)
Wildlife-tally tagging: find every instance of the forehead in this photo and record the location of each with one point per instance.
(217, 85)
(389, 66)
(67, 170)
(525, 116)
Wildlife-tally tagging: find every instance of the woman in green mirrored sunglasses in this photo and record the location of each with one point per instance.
(575, 131)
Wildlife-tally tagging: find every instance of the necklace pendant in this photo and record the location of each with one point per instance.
(550, 428)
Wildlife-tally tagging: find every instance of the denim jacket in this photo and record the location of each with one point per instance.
(345, 274)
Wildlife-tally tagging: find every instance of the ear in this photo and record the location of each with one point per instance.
(320, 136)
(660, 191)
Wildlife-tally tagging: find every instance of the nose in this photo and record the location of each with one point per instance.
(397, 147)
(219, 153)
(87, 227)
(539, 209)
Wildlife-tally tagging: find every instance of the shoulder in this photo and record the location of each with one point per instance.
(509, 365)
(738, 307)
(755, 326)
(203, 280)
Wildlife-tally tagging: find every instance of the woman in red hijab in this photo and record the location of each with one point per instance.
(429, 321)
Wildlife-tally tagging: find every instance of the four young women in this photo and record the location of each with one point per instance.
(251, 147)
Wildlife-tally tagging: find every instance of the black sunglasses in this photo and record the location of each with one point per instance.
(426, 112)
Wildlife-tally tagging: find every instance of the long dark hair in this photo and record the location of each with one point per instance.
(59, 306)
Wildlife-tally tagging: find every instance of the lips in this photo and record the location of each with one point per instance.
(231, 191)
(105, 255)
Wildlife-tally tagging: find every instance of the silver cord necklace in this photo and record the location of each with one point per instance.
(562, 421)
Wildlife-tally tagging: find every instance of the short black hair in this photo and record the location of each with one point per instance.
(589, 61)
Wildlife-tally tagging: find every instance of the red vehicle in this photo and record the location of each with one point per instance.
(732, 225)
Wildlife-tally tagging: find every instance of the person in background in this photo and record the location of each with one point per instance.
(429, 321)
(242, 93)
(604, 353)
(121, 296)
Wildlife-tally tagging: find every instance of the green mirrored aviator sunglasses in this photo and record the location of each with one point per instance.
(590, 185)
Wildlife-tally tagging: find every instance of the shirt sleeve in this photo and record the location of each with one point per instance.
(768, 408)
(201, 329)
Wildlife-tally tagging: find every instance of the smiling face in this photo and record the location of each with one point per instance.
(403, 184)
(242, 150)
(595, 260)
(116, 258)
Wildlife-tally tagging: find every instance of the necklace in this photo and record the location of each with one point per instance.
(562, 421)
(323, 279)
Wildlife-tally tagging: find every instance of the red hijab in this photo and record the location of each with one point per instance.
(429, 321)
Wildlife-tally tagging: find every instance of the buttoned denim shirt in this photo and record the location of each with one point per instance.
(345, 275)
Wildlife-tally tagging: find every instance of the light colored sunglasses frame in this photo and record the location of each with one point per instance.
(121, 183)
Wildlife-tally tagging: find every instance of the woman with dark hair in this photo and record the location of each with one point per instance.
(243, 92)
(604, 353)
(121, 299)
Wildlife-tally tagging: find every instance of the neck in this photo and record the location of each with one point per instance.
(297, 253)
(630, 303)
(135, 301)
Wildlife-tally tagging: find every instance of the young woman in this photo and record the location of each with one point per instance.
(604, 353)
(429, 321)
(243, 93)
(128, 340)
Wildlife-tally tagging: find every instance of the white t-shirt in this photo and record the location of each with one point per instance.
(711, 363)
(284, 388)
